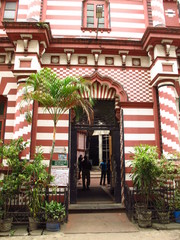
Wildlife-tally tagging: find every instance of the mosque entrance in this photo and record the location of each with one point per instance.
(100, 141)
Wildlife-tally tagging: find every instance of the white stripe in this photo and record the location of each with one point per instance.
(143, 137)
(63, 13)
(64, 22)
(170, 129)
(50, 123)
(128, 25)
(128, 177)
(42, 110)
(64, 3)
(8, 87)
(138, 124)
(49, 136)
(168, 116)
(9, 135)
(22, 131)
(167, 90)
(47, 149)
(126, 15)
(170, 143)
(10, 122)
(127, 6)
(129, 150)
(139, 112)
(168, 103)
(11, 110)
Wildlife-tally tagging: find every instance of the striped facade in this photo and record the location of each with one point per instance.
(169, 119)
(138, 129)
(130, 61)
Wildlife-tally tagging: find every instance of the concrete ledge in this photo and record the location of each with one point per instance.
(170, 226)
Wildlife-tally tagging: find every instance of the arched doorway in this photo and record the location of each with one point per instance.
(106, 95)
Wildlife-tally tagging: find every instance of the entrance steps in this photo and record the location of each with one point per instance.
(96, 207)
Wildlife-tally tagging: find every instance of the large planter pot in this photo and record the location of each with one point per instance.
(139, 207)
(177, 216)
(163, 217)
(53, 226)
(33, 224)
(6, 224)
(145, 218)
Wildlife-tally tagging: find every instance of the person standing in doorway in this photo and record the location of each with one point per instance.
(86, 167)
(108, 171)
(80, 158)
(103, 167)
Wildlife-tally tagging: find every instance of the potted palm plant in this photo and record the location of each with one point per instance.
(144, 175)
(54, 215)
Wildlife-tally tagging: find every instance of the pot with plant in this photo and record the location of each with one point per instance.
(12, 181)
(37, 180)
(54, 215)
(162, 209)
(176, 205)
(144, 175)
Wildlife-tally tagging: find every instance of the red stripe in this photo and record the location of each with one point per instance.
(171, 137)
(170, 123)
(48, 116)
(138, 118)
(50, 129)
(136, 142)
(59, 143)
(139, 130)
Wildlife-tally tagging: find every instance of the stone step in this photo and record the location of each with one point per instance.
(96, 207)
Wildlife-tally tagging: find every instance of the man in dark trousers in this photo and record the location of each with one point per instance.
(103, 167)
(86, 167)
(80, 158)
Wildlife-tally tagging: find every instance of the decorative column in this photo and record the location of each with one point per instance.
(22, 128)
(100, 148)
(34, 9)
(168, 118)
(158, 13)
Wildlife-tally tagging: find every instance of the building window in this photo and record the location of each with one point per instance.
(96, 15)
(10, 11)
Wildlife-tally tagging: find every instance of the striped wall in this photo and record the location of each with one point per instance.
(127, 18)
(8, 87)
(21, 127)
(135, 82)
(44, 134)
(169, 119)
(138, 129)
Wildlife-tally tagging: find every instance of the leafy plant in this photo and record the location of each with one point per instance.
(54, 211)
(37, 179)
(57, 96)
(12, 181)
(145, 170)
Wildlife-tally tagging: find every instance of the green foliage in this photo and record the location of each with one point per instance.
(33, 177)
(57, 96)
(145, 169)
(176, 203)
(167, 171)
(54, 211)
(14, 179)
(37, 179)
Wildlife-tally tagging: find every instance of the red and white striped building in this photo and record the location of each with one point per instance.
(130, 55)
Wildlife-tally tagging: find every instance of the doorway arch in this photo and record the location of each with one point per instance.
(104, 91)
